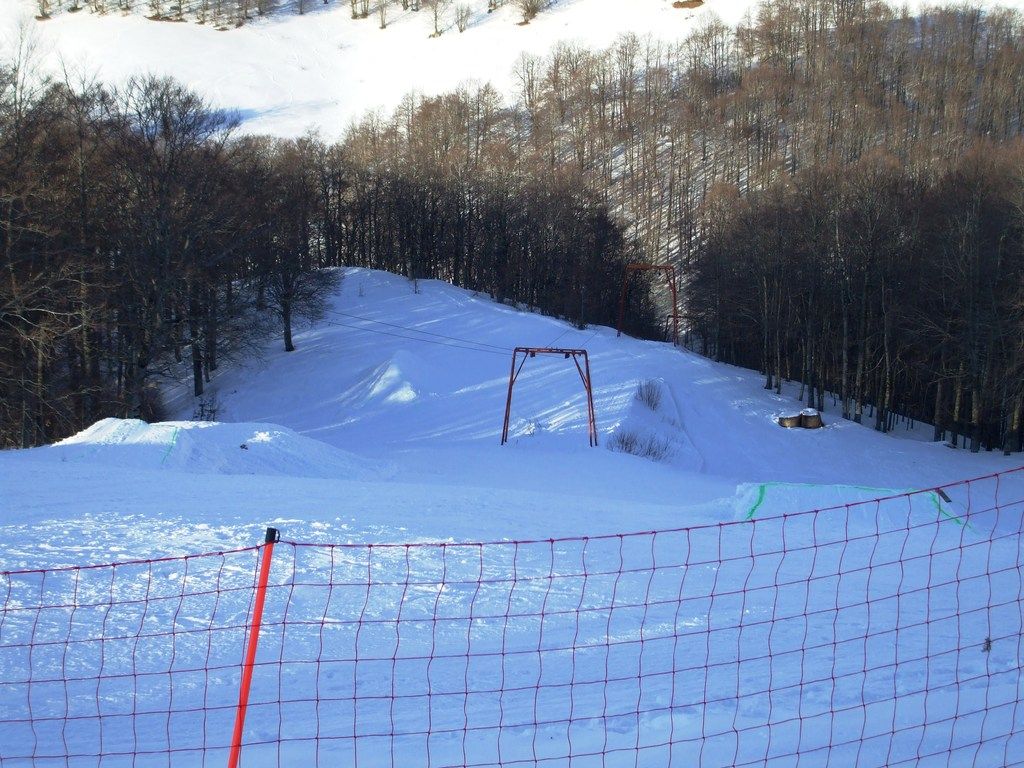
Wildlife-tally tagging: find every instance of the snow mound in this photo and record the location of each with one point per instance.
(200, 447)
(401, 379)
(654, 428)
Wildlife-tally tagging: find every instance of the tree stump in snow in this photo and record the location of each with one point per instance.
(789, 422)
(811, 419)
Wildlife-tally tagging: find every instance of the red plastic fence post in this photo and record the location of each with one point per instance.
(273, 536)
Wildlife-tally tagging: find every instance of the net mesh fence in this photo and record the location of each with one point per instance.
(879, 633)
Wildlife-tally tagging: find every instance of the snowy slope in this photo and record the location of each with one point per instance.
(290, 73)
(858, 622)
(385, 425)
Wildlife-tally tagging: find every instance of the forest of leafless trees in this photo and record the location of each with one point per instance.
(840, 185)
(136, 236)
(140, 238)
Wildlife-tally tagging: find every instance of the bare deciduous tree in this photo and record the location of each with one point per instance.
(529, 9)
(463, 13)
(438, 14)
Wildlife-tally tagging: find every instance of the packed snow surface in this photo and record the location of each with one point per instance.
(871, 634)
(211, 448)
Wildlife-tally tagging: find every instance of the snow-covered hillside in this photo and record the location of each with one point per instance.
(385, 425)
(569, 605)
(290, 73)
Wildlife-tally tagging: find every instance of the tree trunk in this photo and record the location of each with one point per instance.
(211, 320)
(958, 399)
(1011, 441)
(975, 417)
(286, 317)
(195, 342)
(844, 393)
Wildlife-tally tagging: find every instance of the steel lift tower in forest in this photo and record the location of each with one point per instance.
(670, 276)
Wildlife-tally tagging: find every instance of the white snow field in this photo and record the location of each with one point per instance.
(627, 611)
(287, 73)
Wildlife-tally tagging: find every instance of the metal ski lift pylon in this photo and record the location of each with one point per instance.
(670, 276)
(519, 357)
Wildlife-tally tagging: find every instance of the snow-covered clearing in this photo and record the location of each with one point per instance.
(384, 425)
(801, 640)
(289, 73)
(724, 629)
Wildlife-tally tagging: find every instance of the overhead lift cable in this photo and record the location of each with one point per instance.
(339, 313)
(488, 350)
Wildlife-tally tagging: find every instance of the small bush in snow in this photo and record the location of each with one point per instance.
(644, 446)
(529, 9)
(206, 408)
(649, 393)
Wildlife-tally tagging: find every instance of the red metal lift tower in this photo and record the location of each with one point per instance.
(670, 276)
(584, 370)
